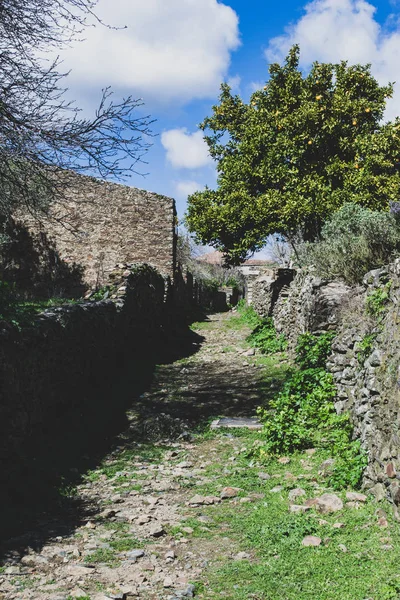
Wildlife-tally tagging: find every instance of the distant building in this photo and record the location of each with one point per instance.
(251, 269)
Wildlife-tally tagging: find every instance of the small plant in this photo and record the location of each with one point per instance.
(377, 300)
(100, 293)
(265, 338)
(125, 543)
(303, 415)
(312, 351)
(365, 347)
(102, 555)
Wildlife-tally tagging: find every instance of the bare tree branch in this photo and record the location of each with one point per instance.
(41, 132)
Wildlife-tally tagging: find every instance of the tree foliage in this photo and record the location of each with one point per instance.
(41, 132)
(302, 147)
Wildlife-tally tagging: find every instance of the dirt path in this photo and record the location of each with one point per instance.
(134, 540)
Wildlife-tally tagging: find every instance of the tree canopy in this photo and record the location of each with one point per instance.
(42, 133)
(302, 147)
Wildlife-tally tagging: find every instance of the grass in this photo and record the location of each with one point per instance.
(23, 313)
(103, 555)
(123, 461)
(356, 562)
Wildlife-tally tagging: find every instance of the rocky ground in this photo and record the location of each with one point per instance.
(132, 541)
(177, 511)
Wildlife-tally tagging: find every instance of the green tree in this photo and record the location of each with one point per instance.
(302, 147)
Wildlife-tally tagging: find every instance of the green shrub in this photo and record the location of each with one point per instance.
(248, 315)
(354, 241)
(312, 351)
(265, 338)
(303, 415)
(378, 299)
(263, 335)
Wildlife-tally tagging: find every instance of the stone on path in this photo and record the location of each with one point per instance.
(296, 493)
(299, 508)
(236, 423)
(242, 556)
(311, 541)
(328, 503)
(229, 492)
(198, 500)
(356, 497)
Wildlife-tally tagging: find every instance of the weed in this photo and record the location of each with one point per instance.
(365, 347)
(303, 415)
(265, 338)
(102, 555)
(125, 543)
(377, 300)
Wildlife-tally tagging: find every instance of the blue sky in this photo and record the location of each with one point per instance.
(175, 53)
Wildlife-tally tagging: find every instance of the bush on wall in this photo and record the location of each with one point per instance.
(354, 241)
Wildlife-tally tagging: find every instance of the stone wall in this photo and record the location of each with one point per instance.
(367, 377)
(268, 288)
(365, 360)
(309, 304)
(100, 224)
(59, 370)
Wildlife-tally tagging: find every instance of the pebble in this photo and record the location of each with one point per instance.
(157, 531)
(296, 493)
(311, 540)
(229, 492)
(134, 554)
(328, 503)
(242, 556)
(356, 497)
(299, 508)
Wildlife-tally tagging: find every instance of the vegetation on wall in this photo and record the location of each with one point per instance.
(302, 147)
(353, 241)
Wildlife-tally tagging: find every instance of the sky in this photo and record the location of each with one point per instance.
(175, 53)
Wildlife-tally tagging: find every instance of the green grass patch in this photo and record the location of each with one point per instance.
(125, 543)
(356, 562)
(103, 555)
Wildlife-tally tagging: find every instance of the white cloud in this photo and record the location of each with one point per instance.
(185, 188)
(255, 86)
(185, 150)
(170, 50)
(333, 30)
(234, 83)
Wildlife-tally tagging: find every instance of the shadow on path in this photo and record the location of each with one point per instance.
(192, 384)
(38, 499)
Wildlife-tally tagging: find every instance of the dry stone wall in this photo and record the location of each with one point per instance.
(365, 360)
(268, 288)
(59, 374)
(310, 304)
(100, 224)
(366, 366)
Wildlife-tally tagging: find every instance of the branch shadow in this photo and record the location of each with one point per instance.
(31, 262)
